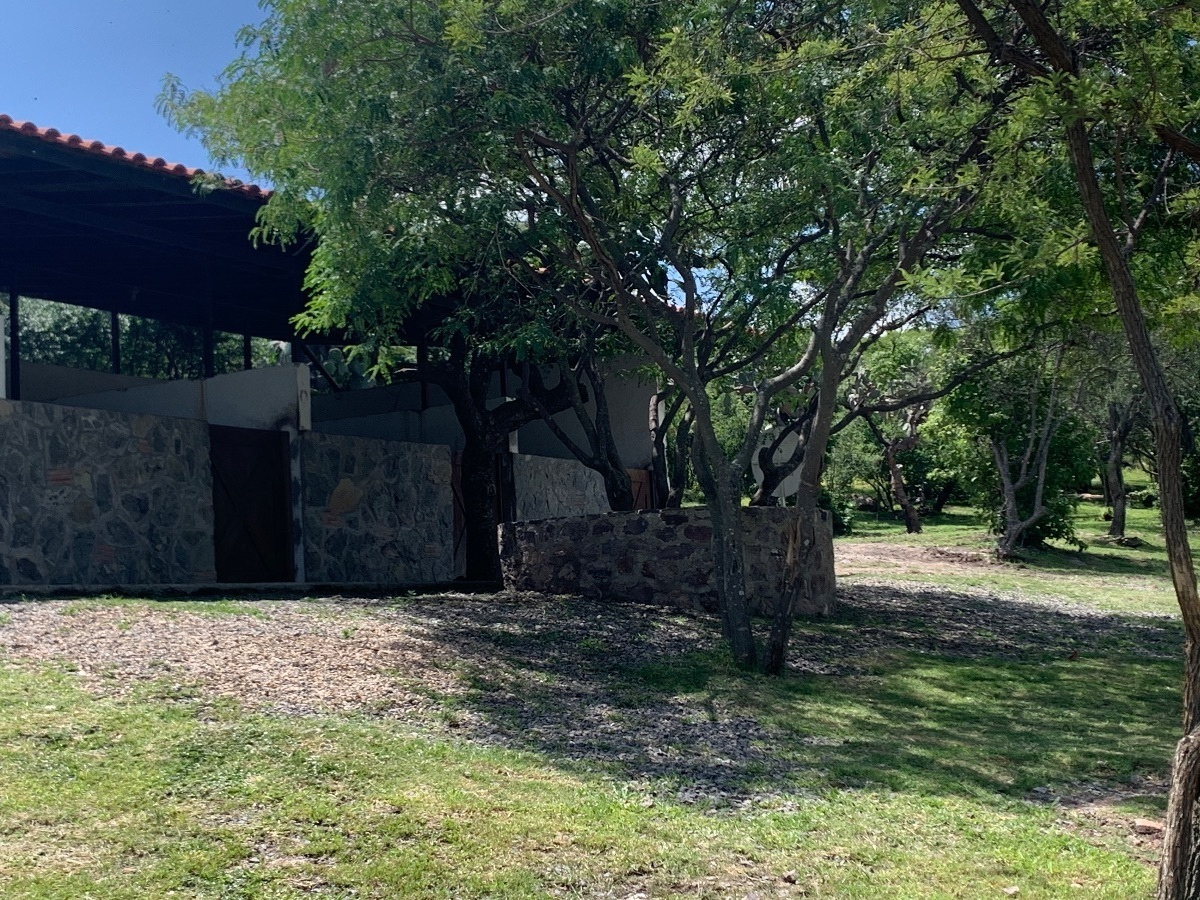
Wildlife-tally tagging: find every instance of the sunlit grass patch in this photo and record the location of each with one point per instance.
(909, 783)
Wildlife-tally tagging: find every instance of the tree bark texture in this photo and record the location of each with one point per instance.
(1114, 483)
(729, 562)
(891, 451)
(1120, 423)
(660, 415)
(1177, 855)
(681, 453)
(805, 592)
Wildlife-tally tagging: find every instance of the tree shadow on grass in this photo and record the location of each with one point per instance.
(921, 690)
(1121, 561)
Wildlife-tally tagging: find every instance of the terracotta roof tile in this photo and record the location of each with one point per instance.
(99, 148)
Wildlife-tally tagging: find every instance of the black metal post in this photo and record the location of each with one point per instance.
(114, 328)
(247, 356)
(14, 345)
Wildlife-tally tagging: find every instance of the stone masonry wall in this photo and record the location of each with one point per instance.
(96, 498)
(547, 488)
(655, 556)
(376, 511)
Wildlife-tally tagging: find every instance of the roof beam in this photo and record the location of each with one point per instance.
(113, 225)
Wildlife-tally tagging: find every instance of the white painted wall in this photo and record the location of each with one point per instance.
(266, 399)
(394, 413)
(43, 383)
(437, 425)
(628, 409)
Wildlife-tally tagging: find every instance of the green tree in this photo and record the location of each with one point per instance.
(1020, 450)
(712, 183)
(1118, 84)
(81, 338)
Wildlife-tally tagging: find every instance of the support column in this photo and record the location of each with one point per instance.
(247, 355)
(207, 357)
(14, 344)
(208, 360)
(114, 329)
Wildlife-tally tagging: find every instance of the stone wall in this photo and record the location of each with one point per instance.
(546, 488)
(97, 498)
(376, 511)
(656, 556)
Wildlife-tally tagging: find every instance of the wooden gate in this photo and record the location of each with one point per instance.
(642, 483)
(252, 505)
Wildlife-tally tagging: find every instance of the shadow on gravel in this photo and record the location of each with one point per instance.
(915, 689)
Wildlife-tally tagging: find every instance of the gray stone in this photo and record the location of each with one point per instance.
(403, 528)
(547, 488)
(65, 463)
(662, 557)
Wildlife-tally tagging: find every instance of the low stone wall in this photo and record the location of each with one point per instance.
(96, 498)
(546, 487)
(655, 556)
(376, 511)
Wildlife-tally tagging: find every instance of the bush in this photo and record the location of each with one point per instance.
(841, 510)
(1144, 497)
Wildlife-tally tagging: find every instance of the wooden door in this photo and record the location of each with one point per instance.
(252, 505)
(642, 483)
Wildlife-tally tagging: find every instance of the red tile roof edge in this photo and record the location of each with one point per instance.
(98, 148)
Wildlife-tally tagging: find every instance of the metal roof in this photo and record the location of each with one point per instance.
(91, 224)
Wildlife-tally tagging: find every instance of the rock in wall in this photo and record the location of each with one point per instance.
(376, 511)
(96, 498)
(655, 556)
(546, 488)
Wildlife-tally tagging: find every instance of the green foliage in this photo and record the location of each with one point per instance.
(1146, 498)
(1007, 406)
(840, 509)
(1190, 469)
(73, 336)
(856, 463)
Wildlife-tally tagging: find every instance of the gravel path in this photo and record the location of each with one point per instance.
(534, 673)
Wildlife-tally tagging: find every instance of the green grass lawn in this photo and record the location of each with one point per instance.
(912, 776)
(1118, 578)
(908, 773)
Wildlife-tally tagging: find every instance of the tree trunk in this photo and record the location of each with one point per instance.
(1010, 537)
(1180, 822)
(1114, 481)
(912, 515)
(891, 451)
(775, 473)
(600, 451)
(618, 486)
(729, 563)
(1014, 526)
(943, 495)
(682, 452)
(660, 423)
(805, 591)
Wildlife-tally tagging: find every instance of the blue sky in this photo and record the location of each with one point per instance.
(94, 67)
